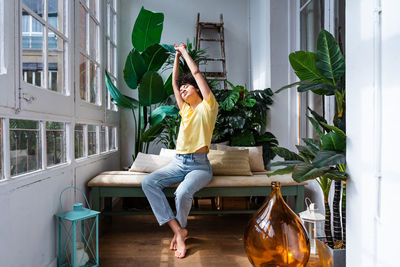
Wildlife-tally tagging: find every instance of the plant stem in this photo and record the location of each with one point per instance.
(328, 231)
(344, 213)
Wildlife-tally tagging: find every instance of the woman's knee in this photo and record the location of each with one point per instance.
(148, 182)
(181, 194)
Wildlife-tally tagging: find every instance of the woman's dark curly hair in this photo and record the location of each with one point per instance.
(188, 78)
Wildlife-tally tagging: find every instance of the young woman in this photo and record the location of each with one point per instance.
(191, 168)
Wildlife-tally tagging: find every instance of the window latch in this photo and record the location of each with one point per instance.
(28, 98)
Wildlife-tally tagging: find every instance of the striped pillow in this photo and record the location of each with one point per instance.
(255, 155)
(149, 162)
(230, 162)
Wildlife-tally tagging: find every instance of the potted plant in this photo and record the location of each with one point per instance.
(242, 118)
(323, 158)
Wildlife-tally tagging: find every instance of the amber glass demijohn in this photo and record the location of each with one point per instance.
(275, 236)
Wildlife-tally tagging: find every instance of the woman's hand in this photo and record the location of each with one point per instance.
(180, 49)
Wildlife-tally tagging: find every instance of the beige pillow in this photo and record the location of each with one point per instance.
(230, 162)
(170, 153)
(255, 155)
(149, 162)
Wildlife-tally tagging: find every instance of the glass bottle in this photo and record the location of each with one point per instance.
(275, 235)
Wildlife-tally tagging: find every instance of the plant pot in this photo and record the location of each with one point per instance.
(339, 257)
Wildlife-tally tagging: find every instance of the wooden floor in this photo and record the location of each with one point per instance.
(214, 240)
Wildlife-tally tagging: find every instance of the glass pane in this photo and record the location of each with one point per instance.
(91, 140)
(1, 150)
(107, 57)
(83, 76)
(25, 146)
(55, 138)
(112, 57)
(35, 5)
(56, 62)
(82, 27)
(111, 138)
(112, 26)
(94, 5)
(310, 25)
(55, 14)
(114, 61)
(79, 141)
(79, 145)
(94, 88)
(108, 14)
(103, 139)
(32, 54)
(93, 38)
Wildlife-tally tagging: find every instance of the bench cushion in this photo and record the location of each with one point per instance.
(134, 179)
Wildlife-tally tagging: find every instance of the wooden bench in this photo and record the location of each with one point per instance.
(128, 184)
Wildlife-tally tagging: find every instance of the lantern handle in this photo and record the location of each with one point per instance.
(308, 203)
(76, 188)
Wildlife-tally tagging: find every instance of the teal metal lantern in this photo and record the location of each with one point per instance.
(78, 235)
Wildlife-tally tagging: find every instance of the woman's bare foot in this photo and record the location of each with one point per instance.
(173, 241)
(180, 243)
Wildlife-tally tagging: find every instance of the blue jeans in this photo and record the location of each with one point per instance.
(192, 171)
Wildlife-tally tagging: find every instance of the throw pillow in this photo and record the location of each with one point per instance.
(149, 162)
(255, 155)
(170, 153)
(230, 162)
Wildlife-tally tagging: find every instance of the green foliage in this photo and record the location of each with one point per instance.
(242, 117)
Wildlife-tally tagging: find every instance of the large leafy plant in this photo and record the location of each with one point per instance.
(141, 73)
(324, 158)
(242, 118)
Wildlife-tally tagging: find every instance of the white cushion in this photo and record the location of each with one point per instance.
(255, 155)
(149, 162)
(170, 153)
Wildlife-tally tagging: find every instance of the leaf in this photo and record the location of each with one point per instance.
(161, 112)
(306, 171)
(134, 69)
(155, 56)
(147, 29)
(328, 158)
(249, 103)
(329, 59)
(309, 152)
(294, 84)
(333, 141)
(169, 90)
(286, 170)
(286, 163)
(303, 64)
(152, 133)
(243, 139)
(313, 143)
(316, 126)
(151, 89)
(230, 101)
(169, 48)
(286, 154)
(336, 175)
(119, 99)
(318, 117)
(317, 88)
(334, 128)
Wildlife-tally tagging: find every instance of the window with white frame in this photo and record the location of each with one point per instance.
(55, 143)
(89, 55)
(25, 146)
(44, 44)
(112, 138)
(102, 139)
(79, 134)
(111, 46)
(1, 150)
(2, 65)
(92, 139)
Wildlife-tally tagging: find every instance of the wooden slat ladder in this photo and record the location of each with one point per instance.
(218, 29)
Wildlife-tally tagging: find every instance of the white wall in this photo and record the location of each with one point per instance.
(180, 24)
(373, 94)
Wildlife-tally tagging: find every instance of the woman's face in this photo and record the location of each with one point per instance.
(188, 91)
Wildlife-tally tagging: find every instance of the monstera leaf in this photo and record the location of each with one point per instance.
(151, 89)
(147, 29)
(134, 69)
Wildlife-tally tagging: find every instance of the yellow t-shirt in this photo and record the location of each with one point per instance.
(197, 126)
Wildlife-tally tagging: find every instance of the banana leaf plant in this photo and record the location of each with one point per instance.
(242, 117)
(323, 73)
(141, 73)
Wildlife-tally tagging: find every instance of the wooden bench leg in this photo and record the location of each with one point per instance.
(299, 199)
(95, 199)
(108, 207)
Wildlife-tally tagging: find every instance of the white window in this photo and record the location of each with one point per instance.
(55, 143)
(89, 55)
(103, 140)
(44, 44)
(112, 138)
(111, 46)
(79, 136)
(25, 146)
(1, 150)
(92, 140)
